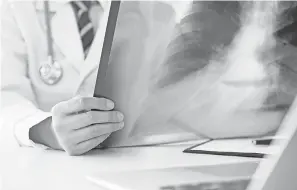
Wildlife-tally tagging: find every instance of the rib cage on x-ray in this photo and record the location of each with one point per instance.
(198, 36)
(193, 47)
(206, 35)
(187, 79)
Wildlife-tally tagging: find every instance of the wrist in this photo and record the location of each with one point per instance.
(42, 133)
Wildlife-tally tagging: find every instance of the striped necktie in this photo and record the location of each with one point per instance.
(84, 23)
(205, 28)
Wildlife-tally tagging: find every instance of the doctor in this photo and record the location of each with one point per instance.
(50, 55)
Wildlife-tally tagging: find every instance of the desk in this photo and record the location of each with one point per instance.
(35, 169)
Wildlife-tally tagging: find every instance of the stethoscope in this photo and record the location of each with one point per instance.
(50, 70)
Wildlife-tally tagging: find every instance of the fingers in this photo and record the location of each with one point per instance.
(80, 104)
(82, 123)
(94, 117)
(87, 145)
(96, 130)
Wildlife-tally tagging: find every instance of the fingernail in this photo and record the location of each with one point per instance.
(109, 104)
(120, 116)
(122, 124)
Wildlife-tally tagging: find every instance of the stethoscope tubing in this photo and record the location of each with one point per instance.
(50, 48)
(50, 71)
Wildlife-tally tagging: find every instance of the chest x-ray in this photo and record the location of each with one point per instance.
(212, 68)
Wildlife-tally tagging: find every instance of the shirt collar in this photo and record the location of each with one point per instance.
(55, 5)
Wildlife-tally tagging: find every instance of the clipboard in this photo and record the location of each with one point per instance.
(232, 147)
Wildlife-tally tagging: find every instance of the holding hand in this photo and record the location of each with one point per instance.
(78, 125)
(81, 124)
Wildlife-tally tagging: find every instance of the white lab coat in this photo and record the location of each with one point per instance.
(25, 99)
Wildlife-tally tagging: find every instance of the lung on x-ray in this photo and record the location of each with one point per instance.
(205, 69)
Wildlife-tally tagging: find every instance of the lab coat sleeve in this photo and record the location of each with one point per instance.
(19, 111)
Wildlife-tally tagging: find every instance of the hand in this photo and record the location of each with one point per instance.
(79, 128)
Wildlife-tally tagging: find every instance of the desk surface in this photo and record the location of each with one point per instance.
(35, 169)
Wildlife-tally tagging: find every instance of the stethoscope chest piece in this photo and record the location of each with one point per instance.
(50, 72)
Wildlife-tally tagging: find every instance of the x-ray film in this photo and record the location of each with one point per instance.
(213, 69)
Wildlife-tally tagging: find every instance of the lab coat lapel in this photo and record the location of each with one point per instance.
(92, 61)
(66, 36)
